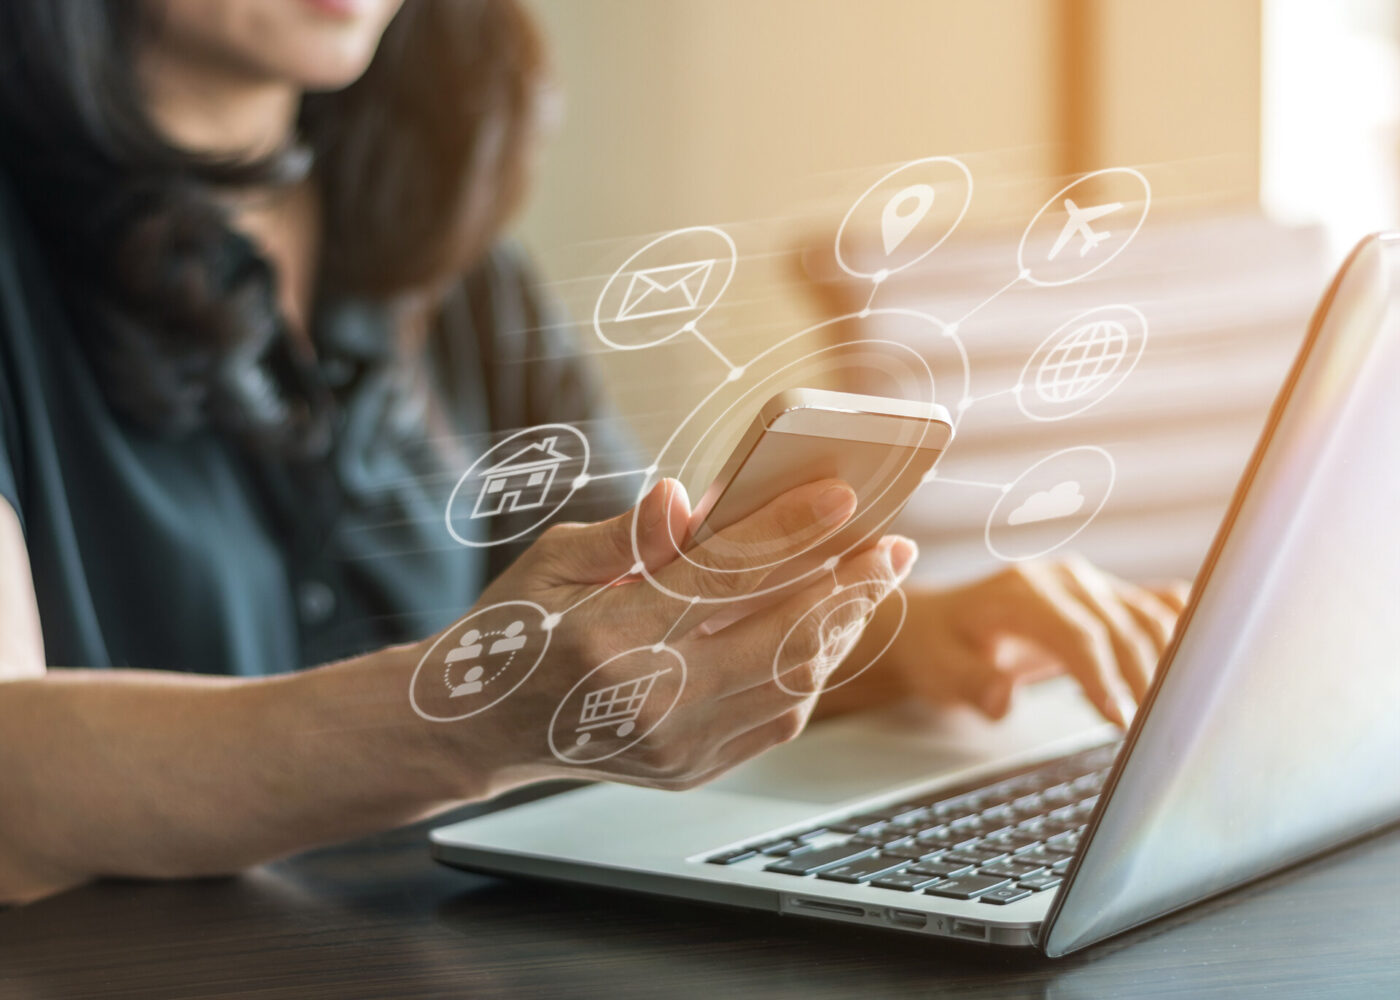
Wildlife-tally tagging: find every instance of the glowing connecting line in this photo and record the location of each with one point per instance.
(663, 291)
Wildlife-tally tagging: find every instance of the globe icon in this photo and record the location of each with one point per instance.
(1081, 361)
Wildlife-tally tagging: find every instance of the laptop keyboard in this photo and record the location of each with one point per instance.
(999, 843)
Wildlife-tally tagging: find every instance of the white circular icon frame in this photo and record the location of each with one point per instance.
(691, 320)
(453, 634)
(1011, 488)
(1056, 200)
(885, 272)
(894, 634)
(654, 649)
(574, 482)
(1028, 373)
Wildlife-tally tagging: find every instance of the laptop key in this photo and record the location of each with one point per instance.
(811, 834)
(1011, 869)
(940, 868)
(967, 886)
(732, 857)
(782, 848)
(914, 850)
(1039, 883)
(863, 823)
(1010, 840)
(976, 855)
(864, 870)
(1001, 897)
(811, 862)
(906, 881)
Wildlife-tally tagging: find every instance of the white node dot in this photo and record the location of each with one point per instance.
(1006, 488)
(864, 314)
(650, 470)
(637, 568)
(689, 327)
(551, 621)
(659, 647)
(580, 481)
(880, 275)
(735, 374)
(1025, 273)
(965, 403)
(837, 589)
(951, 330)
(1017, 388)
(830, 563)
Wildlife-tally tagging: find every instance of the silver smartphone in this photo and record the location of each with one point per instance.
(883, 447)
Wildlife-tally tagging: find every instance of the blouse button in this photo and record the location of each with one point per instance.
(315, 602)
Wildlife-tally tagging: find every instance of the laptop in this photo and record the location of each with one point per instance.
(1271, 732)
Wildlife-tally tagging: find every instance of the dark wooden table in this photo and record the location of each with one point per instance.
(377, 918)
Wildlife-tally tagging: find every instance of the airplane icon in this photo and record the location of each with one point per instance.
(1078, 222)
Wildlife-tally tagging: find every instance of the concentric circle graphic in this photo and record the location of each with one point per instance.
(602, 715)
(825, 609)
(510, 667)
(872, 354)
(1082, 362)
(476, 482)
(915, 170)
(1050, 492)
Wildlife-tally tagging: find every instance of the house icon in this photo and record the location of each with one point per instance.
(520, 481)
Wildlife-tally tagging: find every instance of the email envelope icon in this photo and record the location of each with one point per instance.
(661, 291)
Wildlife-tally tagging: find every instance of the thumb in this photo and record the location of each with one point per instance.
(603, 551)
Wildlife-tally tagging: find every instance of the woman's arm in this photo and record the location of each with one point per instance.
(139, 773)
(159, 774)
(154, 774)
(150, 773)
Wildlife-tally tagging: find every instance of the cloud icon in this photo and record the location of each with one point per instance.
(1047, 505)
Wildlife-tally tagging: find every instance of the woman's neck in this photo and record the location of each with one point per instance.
(204, 107)
(221, 111)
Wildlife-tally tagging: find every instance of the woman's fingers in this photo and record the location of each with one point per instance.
(1064, 626)
(601, 552)
(1133, 648)
(1153, 616)
(807, 631)
(735, 561)
(1174, 594)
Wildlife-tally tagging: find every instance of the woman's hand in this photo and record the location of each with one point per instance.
(715, 702)
(977, 642)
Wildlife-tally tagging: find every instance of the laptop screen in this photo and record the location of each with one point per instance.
(1273, 731)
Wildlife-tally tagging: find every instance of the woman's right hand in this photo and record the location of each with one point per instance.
(717, 703)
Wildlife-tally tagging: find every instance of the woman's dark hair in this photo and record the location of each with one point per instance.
(418, 164)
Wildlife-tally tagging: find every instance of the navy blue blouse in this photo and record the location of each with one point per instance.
(193, 554)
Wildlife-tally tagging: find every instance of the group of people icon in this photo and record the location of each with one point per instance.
(471, 646)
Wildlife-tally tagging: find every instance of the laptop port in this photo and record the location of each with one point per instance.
(970, 929)
(908, 918)
(798, 903)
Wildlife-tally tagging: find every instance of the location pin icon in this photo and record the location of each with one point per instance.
(902, 213)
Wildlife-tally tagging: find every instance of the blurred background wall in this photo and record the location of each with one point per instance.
(1268, 130)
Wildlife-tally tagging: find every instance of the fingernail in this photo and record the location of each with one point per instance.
(902, 555)
(834, 504)
(655, 506)
(995, 700)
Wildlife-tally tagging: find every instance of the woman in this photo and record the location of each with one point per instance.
(251, 282)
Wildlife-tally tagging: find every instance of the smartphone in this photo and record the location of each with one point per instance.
(881, 446)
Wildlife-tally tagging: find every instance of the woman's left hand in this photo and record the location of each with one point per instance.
(977, 642)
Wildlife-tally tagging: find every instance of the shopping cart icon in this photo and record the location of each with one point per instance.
(616, 705)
